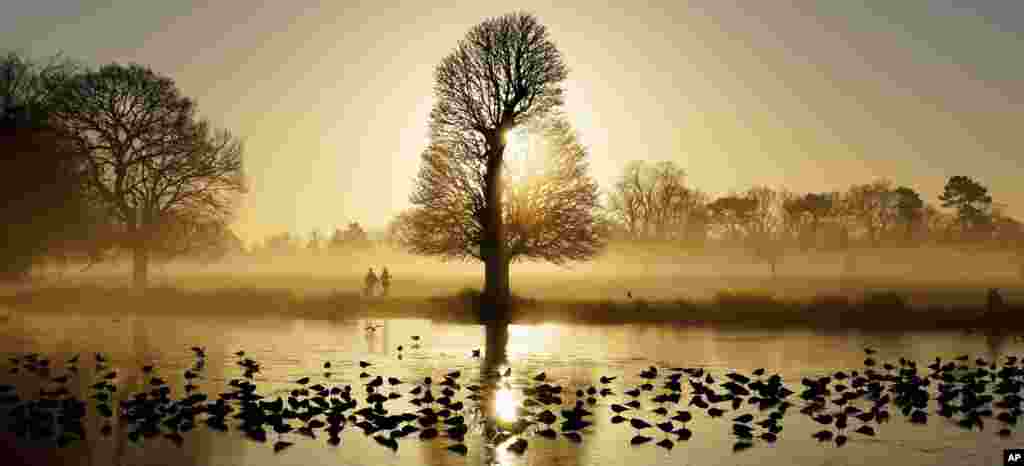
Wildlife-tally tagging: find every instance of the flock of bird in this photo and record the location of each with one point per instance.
(660, 407)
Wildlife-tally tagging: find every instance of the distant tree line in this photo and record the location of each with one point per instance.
(654, 202)
(353, 238)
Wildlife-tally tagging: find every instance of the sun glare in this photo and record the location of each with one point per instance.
(505, 404)
(517, 151)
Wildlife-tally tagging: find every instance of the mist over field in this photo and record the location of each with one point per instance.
(932, 275)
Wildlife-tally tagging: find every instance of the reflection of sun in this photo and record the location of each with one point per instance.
(533, 339)
(505, 405)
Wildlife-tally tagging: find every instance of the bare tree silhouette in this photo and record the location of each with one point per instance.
(148, 158)
(873, 206)
(503, 73)
(653, 201)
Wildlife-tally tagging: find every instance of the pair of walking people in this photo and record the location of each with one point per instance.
(372, 281)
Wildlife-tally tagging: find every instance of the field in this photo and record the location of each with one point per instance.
(895, 289)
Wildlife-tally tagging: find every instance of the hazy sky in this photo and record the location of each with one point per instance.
(332, 97)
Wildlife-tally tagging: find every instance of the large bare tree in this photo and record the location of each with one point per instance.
(149, 158)
(504, 72)
(549, 215)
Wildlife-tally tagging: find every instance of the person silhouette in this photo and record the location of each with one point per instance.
(385, 281)
(371, 283)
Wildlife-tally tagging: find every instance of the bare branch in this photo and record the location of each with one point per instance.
(550, 216)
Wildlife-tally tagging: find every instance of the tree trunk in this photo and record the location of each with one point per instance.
(140, 266)
(496, 289)
(140, 253)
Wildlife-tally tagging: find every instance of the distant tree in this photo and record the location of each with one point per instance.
(766, 218)
(734, 216)
(337, 240)
(314, 242)
(699, 222)
(629, 200)
(937, 224)
(794, 220)
(1007, 231)
(970, 199)
(551, 215)
(147, 156)
(183, 234)
(355, 235)
(806, 215)
(505, 72)
(909, 209)
(766, 227)
(873, 207)
(283, 243)
(653, 202)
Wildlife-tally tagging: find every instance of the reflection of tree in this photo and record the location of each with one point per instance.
(491, 382)
(141, 349)
(63, 351)
(435, 452)
(496, 355)
(205, 443)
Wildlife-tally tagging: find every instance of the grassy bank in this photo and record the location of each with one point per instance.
(881, 311)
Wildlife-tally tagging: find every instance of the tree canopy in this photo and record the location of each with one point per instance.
(43, 199)
(970, 199)
(550, 214)
(148, 158)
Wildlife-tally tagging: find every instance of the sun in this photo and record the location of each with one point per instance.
(517, 153)
(505, 405)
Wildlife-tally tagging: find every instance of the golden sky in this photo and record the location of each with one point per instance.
(332, 97)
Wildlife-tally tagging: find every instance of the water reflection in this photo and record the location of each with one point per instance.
(491, 405)
(573, 357)
(376, 337)
(996, 344)
(506, 404)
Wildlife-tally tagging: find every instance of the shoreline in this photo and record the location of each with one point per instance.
(880, 311)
